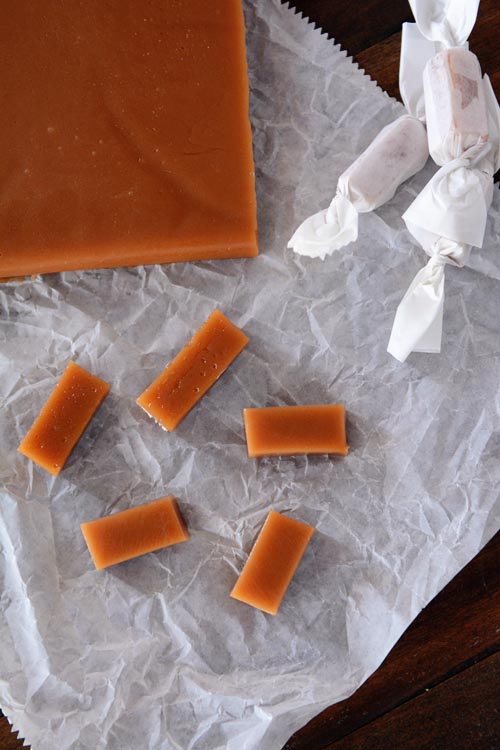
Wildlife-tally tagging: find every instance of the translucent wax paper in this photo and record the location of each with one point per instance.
(154, 654)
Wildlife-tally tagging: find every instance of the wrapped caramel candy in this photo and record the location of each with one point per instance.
(398, 152)
(448, 218)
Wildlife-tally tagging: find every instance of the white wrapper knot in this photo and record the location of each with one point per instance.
(328, 230)
(418, 323)
(449, 22)
(447, 219)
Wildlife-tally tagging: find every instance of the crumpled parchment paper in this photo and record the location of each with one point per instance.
(154, 654)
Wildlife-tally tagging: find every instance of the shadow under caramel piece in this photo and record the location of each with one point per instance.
(125, 134)
(272, 562)
(292, 430)
(134, 532)
(191, 373)
(62, 420)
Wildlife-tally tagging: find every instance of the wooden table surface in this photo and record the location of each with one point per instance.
(439, 688)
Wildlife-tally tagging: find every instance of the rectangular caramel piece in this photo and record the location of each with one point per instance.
(290, 430)
(124, 134)
(272, 562)
(61, 422)
(134, 532)
(191, 373)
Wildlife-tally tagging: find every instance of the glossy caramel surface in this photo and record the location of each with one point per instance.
(272, 562)
(124, 134)
(193, 371)
(135, 531)
(62, 420)
(291, 430)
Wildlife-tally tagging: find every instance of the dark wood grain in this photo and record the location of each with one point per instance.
(8, 739)
(357, 24)
(462, 713)
(484, 41)
(460, 626)
(439, 687)
(371, 32)
(381, 62)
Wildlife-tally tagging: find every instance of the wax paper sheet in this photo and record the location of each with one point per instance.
(154, 654)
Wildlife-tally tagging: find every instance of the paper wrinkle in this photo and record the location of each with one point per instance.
(448, 22)
(154, 653)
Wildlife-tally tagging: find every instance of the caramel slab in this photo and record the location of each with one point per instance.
(61, 422)
(124, 134)
(191, 373)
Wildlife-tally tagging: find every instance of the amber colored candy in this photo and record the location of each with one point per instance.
(62, 420)
(291, 430)
(191, 373)
(124, 134)
(135, 531)
(272, 562)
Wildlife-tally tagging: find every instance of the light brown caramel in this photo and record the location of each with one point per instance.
(191, 373)
(134, 532)
(290, 430)
(124, 134)
(272, 562)
(68, 410)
